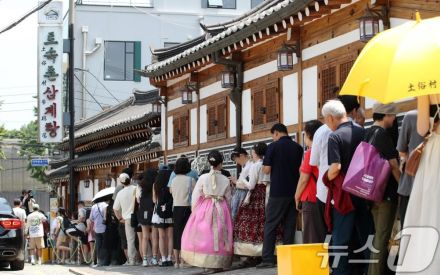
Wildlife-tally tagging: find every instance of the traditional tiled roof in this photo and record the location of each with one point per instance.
(121, 156)
(58, 174)
(129, 113)
(267, 18)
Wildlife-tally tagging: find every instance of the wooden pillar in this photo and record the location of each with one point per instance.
(300, 88)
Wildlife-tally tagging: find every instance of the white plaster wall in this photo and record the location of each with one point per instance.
(310, 93)
(246, 112)
(203, 124)
(193, 126)
(290, 99)
(232, 119)
(170, 133)
(331, 44)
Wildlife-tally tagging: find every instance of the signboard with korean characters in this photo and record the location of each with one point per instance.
(50, 75)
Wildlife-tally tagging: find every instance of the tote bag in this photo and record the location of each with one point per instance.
(368, 173)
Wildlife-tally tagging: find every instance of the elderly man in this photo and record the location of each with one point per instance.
(342, 143)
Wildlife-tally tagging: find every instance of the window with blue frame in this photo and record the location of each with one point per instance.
(121, 59)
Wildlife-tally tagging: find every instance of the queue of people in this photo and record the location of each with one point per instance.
(197, 214)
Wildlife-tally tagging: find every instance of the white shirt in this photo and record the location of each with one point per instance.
(256, 176)
(20, 213)
(318, 157)
(244, 174)
(35, 224)
(124, 201)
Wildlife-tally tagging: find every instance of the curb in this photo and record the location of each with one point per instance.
(77, 272)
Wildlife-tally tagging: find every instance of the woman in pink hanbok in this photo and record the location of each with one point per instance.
(207, 239)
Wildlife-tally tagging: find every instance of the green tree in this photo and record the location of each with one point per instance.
(31, 148)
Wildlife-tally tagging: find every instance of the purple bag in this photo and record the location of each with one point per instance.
(368, 173)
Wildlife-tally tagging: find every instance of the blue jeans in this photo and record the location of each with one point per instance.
(358, 223)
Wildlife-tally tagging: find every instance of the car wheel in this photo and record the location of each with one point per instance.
(17, 265)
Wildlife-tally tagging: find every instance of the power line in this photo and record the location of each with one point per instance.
(99, 81)
(88, 92)
(39, 7)
(8, 111)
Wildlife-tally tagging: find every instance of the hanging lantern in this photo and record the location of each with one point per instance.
(156, 107)
(87, 183)
(108, 181)
(285, 58)
(368, 25)
(228, 79)
(186, 95)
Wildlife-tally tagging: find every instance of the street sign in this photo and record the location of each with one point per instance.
(39, 162)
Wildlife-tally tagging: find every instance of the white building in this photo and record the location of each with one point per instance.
(115, 37)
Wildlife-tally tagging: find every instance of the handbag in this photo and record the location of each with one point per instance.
(133, 218)
(412, 164)
(155, 219)
(368, 173)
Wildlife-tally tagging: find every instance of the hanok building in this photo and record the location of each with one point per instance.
(278, 63)
(126, 135)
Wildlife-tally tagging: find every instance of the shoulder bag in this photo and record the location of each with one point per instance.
(133, 218)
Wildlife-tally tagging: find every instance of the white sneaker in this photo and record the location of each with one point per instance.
(153, 261)
(32, 262)
(39, 262)
(145, 262)
(130, 263)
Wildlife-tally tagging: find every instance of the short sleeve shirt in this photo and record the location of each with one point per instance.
(381, 140)
(309, 193)
(35, 224)
(342, 144)
(318, 157)
(284, 157)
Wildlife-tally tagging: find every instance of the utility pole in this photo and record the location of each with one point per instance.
(71, 93)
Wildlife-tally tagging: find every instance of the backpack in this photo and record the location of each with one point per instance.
(165, 204)
(66, 224)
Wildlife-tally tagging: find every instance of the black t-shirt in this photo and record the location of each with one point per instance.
(382, 141)
(342, 144)
(284, 157)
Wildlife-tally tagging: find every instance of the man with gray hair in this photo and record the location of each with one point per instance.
(342, 143)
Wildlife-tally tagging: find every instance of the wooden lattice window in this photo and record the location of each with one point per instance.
(344, 69)
(181, 130)
(217, 119)
(328, 84)
(332, 77)
(265, 106)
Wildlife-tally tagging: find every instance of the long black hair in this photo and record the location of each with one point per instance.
(146, 182)
(163, 176)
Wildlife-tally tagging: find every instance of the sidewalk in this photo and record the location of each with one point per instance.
(135, 270)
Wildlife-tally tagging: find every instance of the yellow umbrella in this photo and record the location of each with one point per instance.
(398, 63)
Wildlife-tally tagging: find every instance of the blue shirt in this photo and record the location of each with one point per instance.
(97, 216)
(193, 174)
(284, 157)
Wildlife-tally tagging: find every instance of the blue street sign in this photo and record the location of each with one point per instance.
(40, 162)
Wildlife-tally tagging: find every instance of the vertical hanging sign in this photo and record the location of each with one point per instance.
(50, 76)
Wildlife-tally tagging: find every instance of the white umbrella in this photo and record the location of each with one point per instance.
(103, 194)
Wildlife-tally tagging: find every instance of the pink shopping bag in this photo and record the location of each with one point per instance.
(368, 173)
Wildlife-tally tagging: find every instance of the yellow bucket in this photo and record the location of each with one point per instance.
(303, 259)
(45, 255)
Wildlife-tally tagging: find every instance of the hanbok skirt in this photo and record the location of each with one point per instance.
(249, 224)
(207, 239)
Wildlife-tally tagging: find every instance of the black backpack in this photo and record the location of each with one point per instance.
(165, 204)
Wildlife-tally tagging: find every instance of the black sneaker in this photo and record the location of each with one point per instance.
(265, 265)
